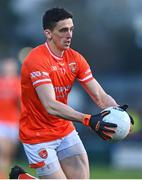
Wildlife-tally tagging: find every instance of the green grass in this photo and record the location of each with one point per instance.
(100, 172)
(111, 173)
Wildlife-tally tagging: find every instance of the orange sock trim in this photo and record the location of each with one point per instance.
(86, 119)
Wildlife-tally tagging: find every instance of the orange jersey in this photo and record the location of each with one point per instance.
(43, 67)
(9, 99)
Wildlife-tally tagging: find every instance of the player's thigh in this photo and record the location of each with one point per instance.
(58, 174)
(76, 167)
(51, 170)
(73, 157)
(44, 159)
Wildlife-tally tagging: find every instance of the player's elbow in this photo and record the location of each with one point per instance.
(51, 108)
(51, 111)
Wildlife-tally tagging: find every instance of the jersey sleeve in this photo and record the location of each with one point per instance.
(40, 77)
(38, 72)
(84, 72)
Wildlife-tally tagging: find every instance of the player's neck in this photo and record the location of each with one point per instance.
(53, 48)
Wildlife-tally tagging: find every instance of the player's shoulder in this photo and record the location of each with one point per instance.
(35, 55)
(37, 51)
(77, 56)
(74, 52)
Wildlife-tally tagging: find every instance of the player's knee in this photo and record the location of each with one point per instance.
(85, 169)
(48, 170)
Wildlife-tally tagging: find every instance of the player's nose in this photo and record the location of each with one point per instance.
(69, 34)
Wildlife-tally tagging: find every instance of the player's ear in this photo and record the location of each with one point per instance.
(47, 33)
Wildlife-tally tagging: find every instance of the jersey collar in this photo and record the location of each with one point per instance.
(52, 54)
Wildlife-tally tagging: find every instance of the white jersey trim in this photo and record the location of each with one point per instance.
(86, 78)
(42, 80)
(56, 57)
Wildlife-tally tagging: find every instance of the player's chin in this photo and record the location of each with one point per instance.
(66, 47)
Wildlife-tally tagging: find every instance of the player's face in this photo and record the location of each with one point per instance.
(62, 34)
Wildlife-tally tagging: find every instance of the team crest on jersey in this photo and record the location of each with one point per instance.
(43, 153)
(72, 67)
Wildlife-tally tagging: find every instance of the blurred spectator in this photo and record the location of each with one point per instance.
(9, 112)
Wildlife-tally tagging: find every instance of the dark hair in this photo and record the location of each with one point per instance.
(52, 16)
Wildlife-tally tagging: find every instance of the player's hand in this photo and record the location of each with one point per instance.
(104, 129)
(125, 107)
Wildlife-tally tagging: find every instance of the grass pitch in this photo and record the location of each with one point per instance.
(101, 172)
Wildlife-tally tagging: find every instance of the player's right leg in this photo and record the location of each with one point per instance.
(56, 174)
(44, 159)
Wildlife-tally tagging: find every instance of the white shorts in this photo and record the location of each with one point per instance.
(9, 131)
(45, 157)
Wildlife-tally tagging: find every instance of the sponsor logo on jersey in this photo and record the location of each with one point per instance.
(62, 70)
(54, 68)
(59, 69)
(62, 91)
(38, 74)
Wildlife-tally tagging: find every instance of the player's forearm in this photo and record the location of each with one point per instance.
(106, 101)
(64, 111)
(47, 97)
(98, 95)
(102, 99)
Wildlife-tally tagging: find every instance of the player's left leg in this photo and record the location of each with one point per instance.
(73, 157)
(76, 167)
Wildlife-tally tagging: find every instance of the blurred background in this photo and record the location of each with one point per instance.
(109, 35)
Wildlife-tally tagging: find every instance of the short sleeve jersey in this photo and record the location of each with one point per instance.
(40, 67)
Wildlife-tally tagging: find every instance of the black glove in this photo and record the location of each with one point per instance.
(125, 107)
(104, 129)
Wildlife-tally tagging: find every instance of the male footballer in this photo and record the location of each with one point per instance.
(49, 138)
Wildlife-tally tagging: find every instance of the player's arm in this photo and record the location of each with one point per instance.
(98, 95)
(47, 97)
